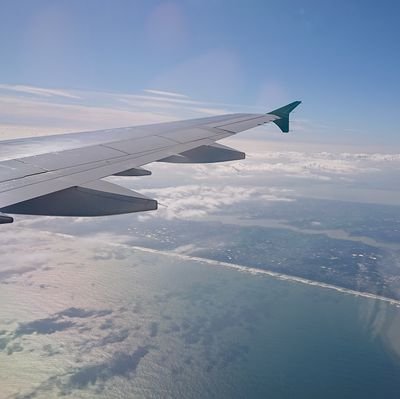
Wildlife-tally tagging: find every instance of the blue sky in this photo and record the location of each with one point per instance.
(340, 57)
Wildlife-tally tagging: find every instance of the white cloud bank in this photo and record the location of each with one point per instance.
(316, 166)
(193, 201)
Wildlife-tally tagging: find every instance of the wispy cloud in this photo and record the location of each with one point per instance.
(174, 104)
(165, 93)
(31, 113)
(38, 91)
(28, 110)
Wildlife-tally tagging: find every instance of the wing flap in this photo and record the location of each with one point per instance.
(134, 172)
(206, 154)
(97, 198)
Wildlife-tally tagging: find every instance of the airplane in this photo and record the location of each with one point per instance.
(61, 175)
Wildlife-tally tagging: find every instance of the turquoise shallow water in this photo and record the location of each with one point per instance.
(90, 320)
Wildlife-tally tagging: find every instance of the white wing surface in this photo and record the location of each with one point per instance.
(61, 175)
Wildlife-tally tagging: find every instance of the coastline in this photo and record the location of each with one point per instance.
(240, 268)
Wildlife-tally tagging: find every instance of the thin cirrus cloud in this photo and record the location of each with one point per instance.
(157, 97)
(38, 91)
(165, 93)
(28, 110)
(25, 116)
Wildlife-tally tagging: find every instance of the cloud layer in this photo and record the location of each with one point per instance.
(194, 201)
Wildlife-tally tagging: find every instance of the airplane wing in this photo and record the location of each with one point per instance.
(61, 175)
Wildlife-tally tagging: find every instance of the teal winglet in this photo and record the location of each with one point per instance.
(283, 113)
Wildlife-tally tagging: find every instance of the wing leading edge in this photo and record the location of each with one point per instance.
(61, 175)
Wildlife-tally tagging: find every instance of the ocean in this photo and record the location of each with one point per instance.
(89, 320)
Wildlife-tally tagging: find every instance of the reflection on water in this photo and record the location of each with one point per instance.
(84, 319)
